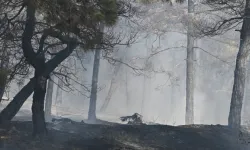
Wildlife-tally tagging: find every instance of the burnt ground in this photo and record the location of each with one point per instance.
(81, 136)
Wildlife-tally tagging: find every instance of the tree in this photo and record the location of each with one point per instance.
(93, 96)
(127, 90)
(232, 14)
(190, 70)
(240, 73)
(246, 102)
(189, 119)
(112, 87)
(49, 97)
(59, 92)
(3, 73)
(63, 24)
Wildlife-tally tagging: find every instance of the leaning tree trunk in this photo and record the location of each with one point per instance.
(234, 119)
(14, 106)
(49, 95)
(59, 92)
(93, 96)
(190, 68)
(112, 88)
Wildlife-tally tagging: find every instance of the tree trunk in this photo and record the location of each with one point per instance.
(190, 68)
(13, 107)
(246, 100)
(112, 88)
(3, 82)
(59, 92)
(38, 119)
(49, 96)
(4, 69)
(39, 126)
(173, 87)
(2, 89)
(143, 95)
(127, 91)
(234, 119)
(93, 96)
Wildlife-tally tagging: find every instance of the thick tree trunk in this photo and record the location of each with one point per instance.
(49, 96)
(190, 68)
(38, 119)
(39, 126)
(93, 96)
(234, 119)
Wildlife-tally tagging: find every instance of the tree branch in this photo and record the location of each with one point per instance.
(28, 34)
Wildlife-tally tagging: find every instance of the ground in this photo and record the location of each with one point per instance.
(82, 136)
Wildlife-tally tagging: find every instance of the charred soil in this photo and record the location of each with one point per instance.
(81, 136)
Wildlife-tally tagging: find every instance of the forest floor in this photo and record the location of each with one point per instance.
(81, 136)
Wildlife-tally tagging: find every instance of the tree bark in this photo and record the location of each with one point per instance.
(189, 119)
(234, 119)
(49, 96)
(93, 96)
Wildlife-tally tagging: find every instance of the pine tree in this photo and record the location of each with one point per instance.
(73, 24)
